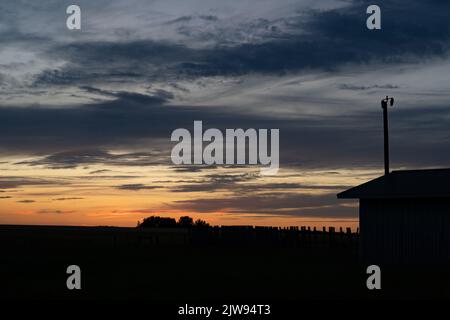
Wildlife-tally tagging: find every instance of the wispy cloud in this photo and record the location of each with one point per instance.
(26, 201)
(137, 187)
(68, 198)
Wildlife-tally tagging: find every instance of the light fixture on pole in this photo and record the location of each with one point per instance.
(384, 105)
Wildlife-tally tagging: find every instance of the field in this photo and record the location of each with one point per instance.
(185, 265)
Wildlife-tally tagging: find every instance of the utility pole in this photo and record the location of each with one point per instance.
(384, 105)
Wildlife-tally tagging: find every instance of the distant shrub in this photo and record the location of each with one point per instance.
(164, 222)
(157, 222)
(185, 222)
(201, 224)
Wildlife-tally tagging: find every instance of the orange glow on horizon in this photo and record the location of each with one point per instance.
(122, 196)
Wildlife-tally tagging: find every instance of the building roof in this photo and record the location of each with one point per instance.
(432, 183)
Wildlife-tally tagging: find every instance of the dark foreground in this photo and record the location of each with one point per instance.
(179, 265)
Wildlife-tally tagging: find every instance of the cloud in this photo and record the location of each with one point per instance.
(256, 187)
(345, 86)
(192, 168)
(286, 204)
(73, 159)
(136, 187)
(282, 39)
(26, 201)
(11, 182)
(87, 135)
(52, 211)
(115, 177)
(65, 199)
(215, 182)
(99, 171)
(321, 39)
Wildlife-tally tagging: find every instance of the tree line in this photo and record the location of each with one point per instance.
(166, 222)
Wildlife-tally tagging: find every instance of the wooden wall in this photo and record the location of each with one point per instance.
(405, 230)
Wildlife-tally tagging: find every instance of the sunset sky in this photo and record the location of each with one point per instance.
(86, 116)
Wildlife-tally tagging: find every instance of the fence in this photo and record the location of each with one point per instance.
(290, 237)
(223, 236)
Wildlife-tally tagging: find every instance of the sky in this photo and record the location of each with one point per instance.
(86, 115)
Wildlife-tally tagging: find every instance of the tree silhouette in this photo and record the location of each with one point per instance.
(185, 222)
(199, 223)
(165, 222)
(157, 222)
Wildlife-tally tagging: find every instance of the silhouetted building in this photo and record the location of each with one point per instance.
(404, 216)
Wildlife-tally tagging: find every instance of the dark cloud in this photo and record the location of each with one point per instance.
(73, 159)
(192, 168)
(102, 62)
(52, 211)
(157, 97)
(215, 182)
(99, 171)
(83, 135)
(328, 39)
(136, 187)
(247, 183)
(65, 199)
(11, 182)
(212, 186)
(286, 204)
(345, 86)
(190, 18)
(289, 186)
(118, 177)
(126, 121)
